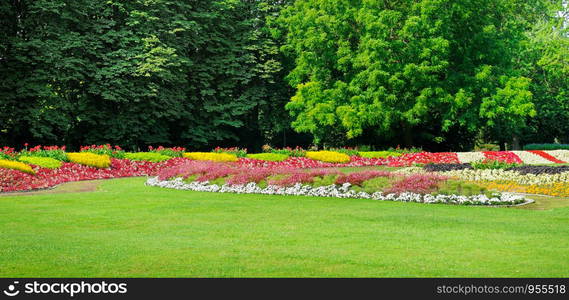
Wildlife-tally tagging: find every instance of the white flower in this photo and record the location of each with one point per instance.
(333, 190)
(531, 158)
(468, 157)
(562, 155)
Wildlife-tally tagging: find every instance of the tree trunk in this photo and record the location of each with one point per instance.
(407, 136)
(516, 143)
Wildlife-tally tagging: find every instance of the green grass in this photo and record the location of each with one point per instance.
(125, 229)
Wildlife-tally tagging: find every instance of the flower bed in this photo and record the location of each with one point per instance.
(221, 157)
(330, 182)
(111, 160)
(503, 156)
(410, 159)
(16, 165)
(90, 159)
(342, 191)
(44, 162)
(499, 175)
(13, 180)
(328, 156)
(547, 156)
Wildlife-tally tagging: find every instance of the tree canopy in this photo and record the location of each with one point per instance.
(439, 74)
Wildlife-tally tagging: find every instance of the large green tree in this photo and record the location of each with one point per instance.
(415, 69)
(545, 58)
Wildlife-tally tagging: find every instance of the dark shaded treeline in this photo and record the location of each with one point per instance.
(202, 73)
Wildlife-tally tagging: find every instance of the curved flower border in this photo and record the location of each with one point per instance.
(338, 191)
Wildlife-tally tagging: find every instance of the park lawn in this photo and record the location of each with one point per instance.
(125, 229)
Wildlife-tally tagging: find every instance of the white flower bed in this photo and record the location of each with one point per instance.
(531, 158)
(468, 157)
(559, 154)
(337, 191)
(502, 175)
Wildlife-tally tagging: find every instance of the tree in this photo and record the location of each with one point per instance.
(400, 68)
(546, 60)
(134, 73)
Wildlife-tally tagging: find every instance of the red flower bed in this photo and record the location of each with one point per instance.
(424, 158)
(13, 180)
(504, 156)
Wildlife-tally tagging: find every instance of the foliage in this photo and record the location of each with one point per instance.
(492, 164)
(185, 72)
(328, 156)
(268, 156)
(15, 165)
(233, 150)
(348, 151)
(487, 147)
(294, 152)
(450, 187)
(546, 146)
(54, 152)
(147, 156)
(219, 157)
(172, 151)
(436, 67)
(44, 162)
(7, 153)
(90, 159)
(115, 152)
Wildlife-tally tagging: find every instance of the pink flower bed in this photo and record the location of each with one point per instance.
(418, 183)
(359, 177)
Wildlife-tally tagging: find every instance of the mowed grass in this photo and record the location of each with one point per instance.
(125, 229)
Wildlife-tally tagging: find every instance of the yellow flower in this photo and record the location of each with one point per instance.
(328, 156)
(90, 159)
(16, 165)
(220, 157)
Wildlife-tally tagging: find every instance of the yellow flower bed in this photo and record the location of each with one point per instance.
(90, 159)
(220, 157)
(559, 189)
(16, 165)
(328, 156)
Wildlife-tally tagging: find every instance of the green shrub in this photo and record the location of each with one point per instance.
(347, 151)
(296, 152)
(379, 154)
(172, 151)
(108, 150)
(492, 164)
(268, 156)
(546, 147)
(44, 162)
(146, 156)
(456, 187)
(406, 150)
(233, 150)
(58, 154)
(487, 147)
